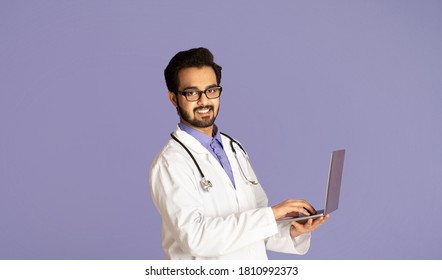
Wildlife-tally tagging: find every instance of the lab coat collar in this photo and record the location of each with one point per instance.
(191, 142)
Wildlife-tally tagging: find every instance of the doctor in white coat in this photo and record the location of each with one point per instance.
(231, 218)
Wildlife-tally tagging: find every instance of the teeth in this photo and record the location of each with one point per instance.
(203, 111)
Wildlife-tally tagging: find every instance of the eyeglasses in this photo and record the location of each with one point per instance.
(195, 95)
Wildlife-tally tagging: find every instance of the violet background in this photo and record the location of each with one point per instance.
(83, 111)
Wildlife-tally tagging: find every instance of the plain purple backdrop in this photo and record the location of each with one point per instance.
(83, 111)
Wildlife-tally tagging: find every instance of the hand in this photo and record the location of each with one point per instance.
(292, 208)
(297, 229)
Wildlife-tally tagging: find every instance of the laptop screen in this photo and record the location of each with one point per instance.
(334, 181)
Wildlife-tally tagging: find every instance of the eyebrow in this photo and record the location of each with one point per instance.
(193, 87)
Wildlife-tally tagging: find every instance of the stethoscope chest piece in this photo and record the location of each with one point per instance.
(206, 184)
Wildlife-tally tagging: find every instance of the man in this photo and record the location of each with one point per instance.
(227, 218)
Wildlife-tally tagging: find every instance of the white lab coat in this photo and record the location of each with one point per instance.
(223, 223)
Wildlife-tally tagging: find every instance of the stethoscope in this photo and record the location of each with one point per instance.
(205, 183)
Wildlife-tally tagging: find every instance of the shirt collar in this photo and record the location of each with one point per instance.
(203, 138)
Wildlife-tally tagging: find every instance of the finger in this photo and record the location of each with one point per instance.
(306, 205)
(292, 214)
(284, 208)
(296, 206)
(304, 211)
(310, 208)
(325, 218)
(302, 228)
(318, 222)
(297, 225)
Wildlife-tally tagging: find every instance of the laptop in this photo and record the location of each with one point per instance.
(332, 192)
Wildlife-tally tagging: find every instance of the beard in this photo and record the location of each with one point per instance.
(204, 122)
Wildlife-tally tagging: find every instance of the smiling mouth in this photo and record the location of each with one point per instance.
(203, 110)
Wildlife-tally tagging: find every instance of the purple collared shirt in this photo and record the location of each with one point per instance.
(213, 144)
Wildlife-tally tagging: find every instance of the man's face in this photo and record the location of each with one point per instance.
(199, 114)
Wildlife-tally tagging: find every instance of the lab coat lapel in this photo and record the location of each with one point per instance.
(245, 198)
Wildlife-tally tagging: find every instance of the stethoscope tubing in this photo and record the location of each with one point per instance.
(190, 154)
(206, 184)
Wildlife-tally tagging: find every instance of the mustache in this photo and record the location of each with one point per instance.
(203, 107)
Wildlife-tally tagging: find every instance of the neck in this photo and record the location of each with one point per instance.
(206, 130)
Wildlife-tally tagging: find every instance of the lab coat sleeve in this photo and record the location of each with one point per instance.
(176, 194)
(282, 241)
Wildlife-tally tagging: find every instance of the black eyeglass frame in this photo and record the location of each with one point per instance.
(200, 93)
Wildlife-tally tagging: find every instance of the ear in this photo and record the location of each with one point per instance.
(173, 98)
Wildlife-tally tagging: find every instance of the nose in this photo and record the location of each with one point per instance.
(203, 99)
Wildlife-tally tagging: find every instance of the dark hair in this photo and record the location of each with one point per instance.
(197, 57)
